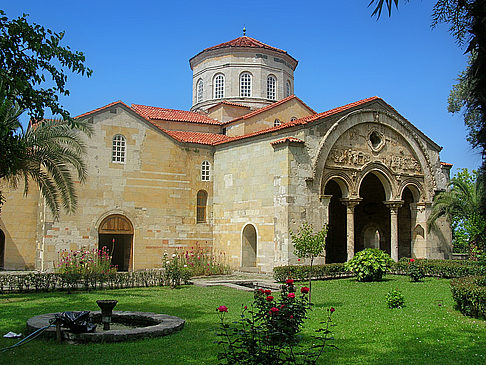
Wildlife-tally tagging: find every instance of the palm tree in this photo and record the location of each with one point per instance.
(48, 153)
(462, 206)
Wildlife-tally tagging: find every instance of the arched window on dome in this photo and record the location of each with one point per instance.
(118, 149)
(245, 84)
(288, 89)
(276, 122)
(202, 201)
(219, 86)
(271, 87)
(205, 171)
(200, 90)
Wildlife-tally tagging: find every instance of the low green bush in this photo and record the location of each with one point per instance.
(371, 264)
(394, 299)
(470, 295)
(440, 268)
(301, 272)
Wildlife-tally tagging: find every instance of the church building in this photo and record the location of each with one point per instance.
(248, 163)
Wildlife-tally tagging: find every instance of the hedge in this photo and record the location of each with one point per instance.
(319, 272)
(470, 295)
(41, 282)
(441, 268)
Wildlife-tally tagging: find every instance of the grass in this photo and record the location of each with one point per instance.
(428, 330)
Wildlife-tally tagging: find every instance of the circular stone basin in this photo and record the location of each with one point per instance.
(137, 325)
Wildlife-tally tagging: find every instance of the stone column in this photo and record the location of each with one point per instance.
(325, 201)
(350, 205)
(394, 205)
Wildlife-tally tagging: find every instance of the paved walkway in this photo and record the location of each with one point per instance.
(239, 280)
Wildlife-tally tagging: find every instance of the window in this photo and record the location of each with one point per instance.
(271, 87)
(287, 89)
(205, 167)
(219, 86)
(200, 89)
(202, 199)
(118, 151)
(293, 118)
(245, 84)
(276, 122)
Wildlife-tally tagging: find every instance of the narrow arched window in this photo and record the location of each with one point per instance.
(271, 87)
(245, 84)
(288, 89)
(202, 200)
(200, 89)
(205, 171)
(119, 149)
(276, 122)
(219, 86)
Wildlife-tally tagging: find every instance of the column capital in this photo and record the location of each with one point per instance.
(325, 198)
(351, 203)
(394, 205)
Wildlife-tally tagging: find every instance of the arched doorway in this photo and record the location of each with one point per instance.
(336, 233)
(249, 246)
(405, 225)
(372, 216)
(116, 234)
(2, 249)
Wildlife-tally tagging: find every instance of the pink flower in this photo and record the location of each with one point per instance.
(289, 281)
(269, 298)
(291, 295)
(332, 310)
(273, 310)
(222, 308)
(304, 290)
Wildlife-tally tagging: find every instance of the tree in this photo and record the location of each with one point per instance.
(47, 153)
(33, 66)
(467, 24)
(461, 205)
(310, 245)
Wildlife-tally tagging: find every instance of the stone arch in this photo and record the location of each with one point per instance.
(395, 123)
(384, 174)
(341, 179)
(249, 246)
(2, 249)
(372, 236)
(115, 232)
(415, 188)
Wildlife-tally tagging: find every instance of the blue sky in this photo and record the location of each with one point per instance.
(139, 52)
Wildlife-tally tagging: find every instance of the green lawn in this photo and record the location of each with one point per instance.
(428, 330)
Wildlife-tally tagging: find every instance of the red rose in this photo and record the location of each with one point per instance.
(267, 292)
(269, 298)
(298, 259)
(332, 309)
(291, 316)
(291, 295)
(261, 291)
(273, 310)
(412, 260)
(245, 307)
(289, 281)
(304, 290)
(222, 308)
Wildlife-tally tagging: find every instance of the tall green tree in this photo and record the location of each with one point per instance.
(461, 205)
(34, 66)
(467, 24)
(49, 153)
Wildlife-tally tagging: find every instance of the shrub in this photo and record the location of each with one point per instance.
(441, 268)
(175, 271)
(469, 294)
(370, 264)
(268, 331)
(394, 299)
(416, 272)
(301, 272)
(202, 261)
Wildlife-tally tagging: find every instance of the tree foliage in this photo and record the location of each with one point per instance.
(461, 205)
(33, 66)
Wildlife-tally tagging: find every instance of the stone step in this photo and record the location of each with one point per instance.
(249, 269)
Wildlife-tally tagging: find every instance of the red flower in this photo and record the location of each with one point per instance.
(289, 281)
(304, 290)
(261, 291)
(332, 310)
(222, 308)
(291, 295)
(412, 260)
(291, 316)
(245, 307)
(269, 298)
(298, 259)
(268, 292)
(273, 310)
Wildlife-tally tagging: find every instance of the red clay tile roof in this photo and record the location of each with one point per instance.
(155, 113)
(286, 139)
(446, 164)
(101, 108)
(229, 103)
(268, 107)
(197, 137)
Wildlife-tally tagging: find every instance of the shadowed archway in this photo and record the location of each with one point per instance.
(336, 234)
(116, 234)
(249, 246)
